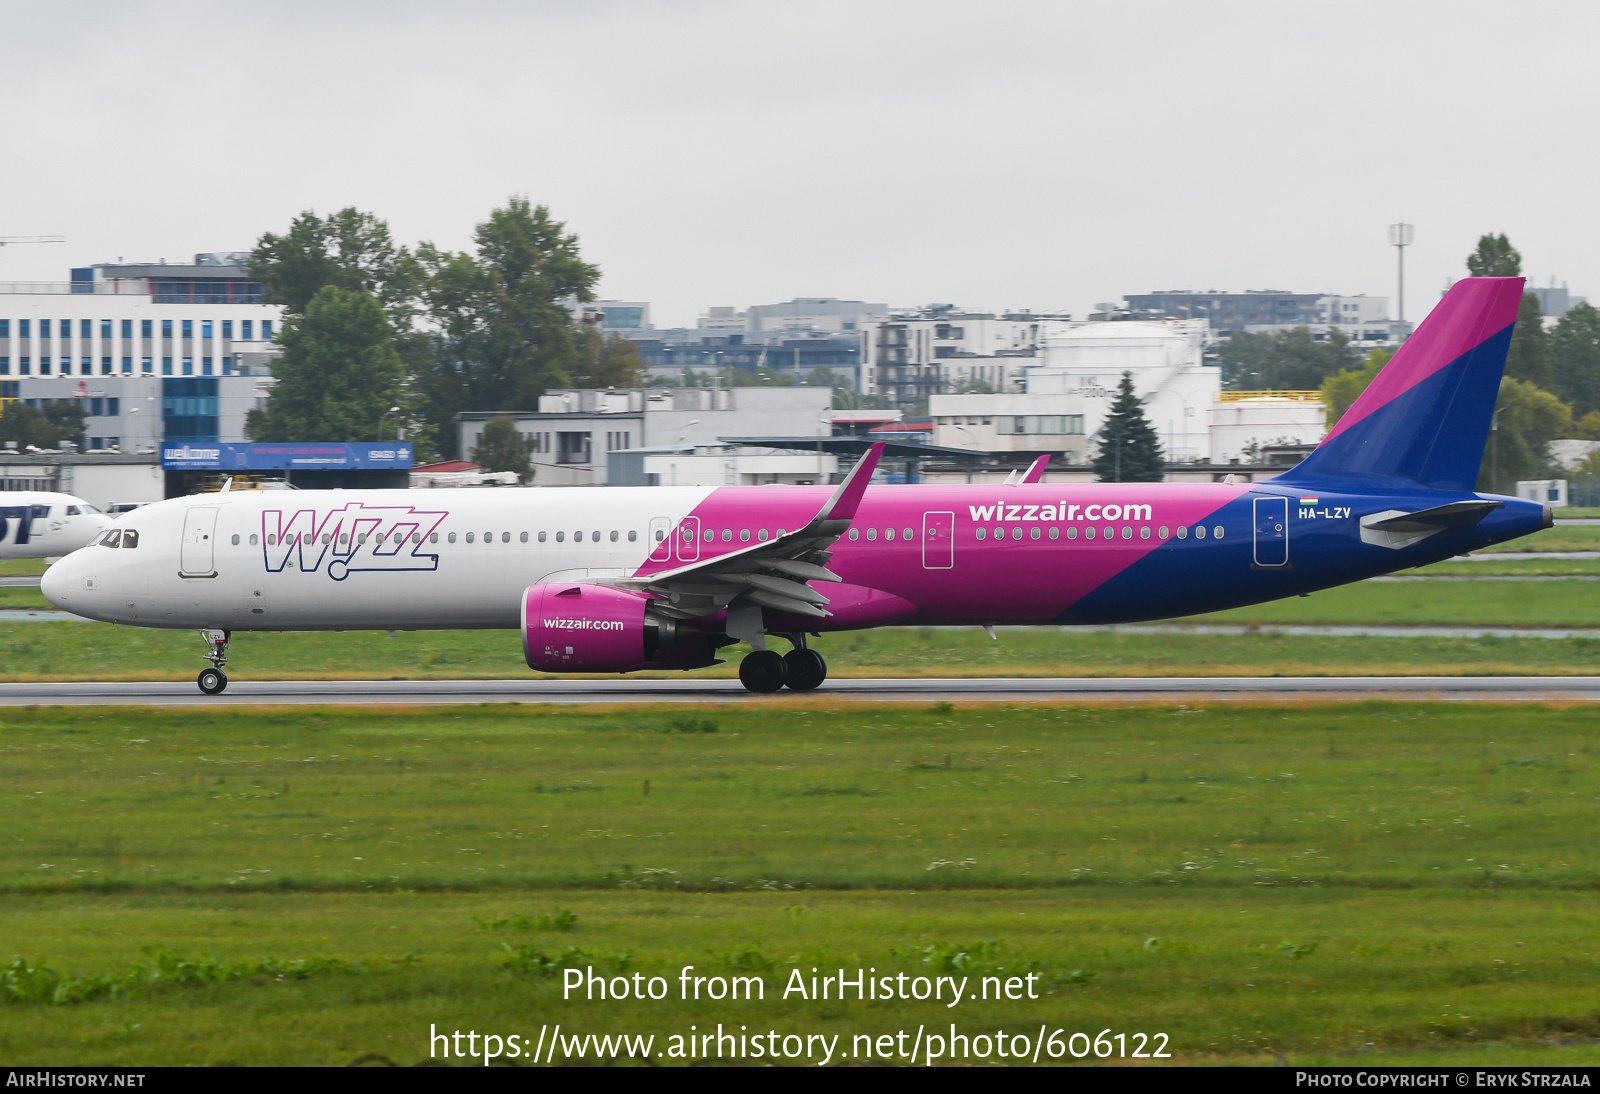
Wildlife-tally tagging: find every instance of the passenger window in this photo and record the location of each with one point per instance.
(416, 537)
(469, 537)
(1162, 531)
(451, 538)
(1216, 533)
(710, 535)
(1200, 531)
(981, 533)
(560, 536)
(130, 538)
(660, 535)
(361, 537)
(524, 537)
(541, 537)
(888, 534)
(1144, 532)
(577, 537)
(1034, 532)
(1183, 532)
(272, 541)
(488, 537)
(327, 537)
(1088, 533)
(1016, 533)
(855, 533)
(744, 535)
(1127, 531)
(236, 540)
(762, 535)
(613, 537)
(505, 537)
(727, 535)
(433, 537)
(633, 535)
(382, 536)
(872, 534)
(594, 536)
(1055, 532)
(112, 538)
(1072, 533)
(908, 536)
(999, 533)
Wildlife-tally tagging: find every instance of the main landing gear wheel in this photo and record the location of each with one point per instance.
(763, 671)
(212, 681)
(807, 669)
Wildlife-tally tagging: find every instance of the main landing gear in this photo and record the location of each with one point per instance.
(213, 681)
(767, 671)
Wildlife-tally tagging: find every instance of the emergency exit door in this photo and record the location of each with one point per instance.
(1272, 531)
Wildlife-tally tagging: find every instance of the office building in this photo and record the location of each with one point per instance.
(157, 350)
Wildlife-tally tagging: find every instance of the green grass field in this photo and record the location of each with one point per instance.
(1380, 882)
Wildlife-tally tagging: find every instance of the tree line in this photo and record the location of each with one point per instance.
(378, 337)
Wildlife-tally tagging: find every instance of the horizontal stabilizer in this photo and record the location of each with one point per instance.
(1457, 514)
(1395, 528)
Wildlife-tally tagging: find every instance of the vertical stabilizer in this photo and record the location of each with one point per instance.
(1424, 420)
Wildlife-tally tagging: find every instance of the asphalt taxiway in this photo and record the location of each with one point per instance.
(976, 690)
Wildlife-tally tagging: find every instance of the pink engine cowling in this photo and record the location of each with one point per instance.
(596, 628)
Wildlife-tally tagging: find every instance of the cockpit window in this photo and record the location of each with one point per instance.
(87, 508)
(130, 538)
(72, 510)
(112, 538)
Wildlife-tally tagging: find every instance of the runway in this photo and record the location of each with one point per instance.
(976, 690)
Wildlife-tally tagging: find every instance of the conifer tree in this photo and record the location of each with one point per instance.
(1129, 449)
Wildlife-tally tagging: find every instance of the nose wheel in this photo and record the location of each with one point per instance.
(213, 681)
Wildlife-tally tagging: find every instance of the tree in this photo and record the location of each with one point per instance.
(1575, 359)
(502, 448)
(350, 249)
(338, 373)
(1129, 450)
(1528, 358)
(1495, 257)
(606, 360)
(1342, 389)
(1291, 360)
(1527, 419)
(59, 420)
(505, 333)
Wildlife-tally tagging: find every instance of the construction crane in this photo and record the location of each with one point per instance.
(31, 239)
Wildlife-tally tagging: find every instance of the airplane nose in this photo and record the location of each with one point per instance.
(54, 584)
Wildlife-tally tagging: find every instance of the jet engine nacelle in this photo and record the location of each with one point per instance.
(597, 628)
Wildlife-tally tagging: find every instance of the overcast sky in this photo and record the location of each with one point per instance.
(998, 155)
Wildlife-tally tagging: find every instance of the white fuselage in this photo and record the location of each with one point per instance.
(41, 524)
(243, 560)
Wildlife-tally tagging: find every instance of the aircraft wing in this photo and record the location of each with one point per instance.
(772, 574)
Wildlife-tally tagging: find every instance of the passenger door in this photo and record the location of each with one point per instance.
(1272, 531)
(938, 541)
(198, 555)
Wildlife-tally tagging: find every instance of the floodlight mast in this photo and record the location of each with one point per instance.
(1400, 237)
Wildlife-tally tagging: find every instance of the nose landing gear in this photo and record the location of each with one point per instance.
(213, 681)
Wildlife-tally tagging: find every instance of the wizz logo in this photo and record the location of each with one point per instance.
(354, 538)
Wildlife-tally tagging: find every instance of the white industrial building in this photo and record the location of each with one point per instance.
(720, 465)
(1068, 391)
(574, 432)
(158, 351)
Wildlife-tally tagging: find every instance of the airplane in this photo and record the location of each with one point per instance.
(44, 524)
(618, 580)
